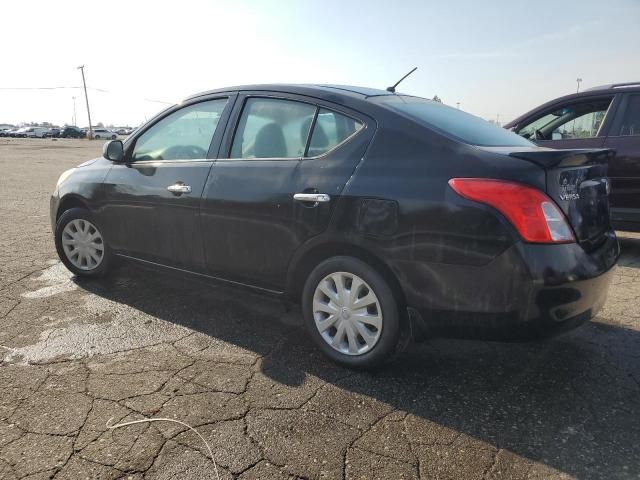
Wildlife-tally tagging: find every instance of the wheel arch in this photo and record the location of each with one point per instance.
(302, 266)
(70, 201)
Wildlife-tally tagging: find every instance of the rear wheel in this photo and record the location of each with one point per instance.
(81, 245)
(351, 313)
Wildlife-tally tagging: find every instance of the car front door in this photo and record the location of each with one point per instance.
(260, 203)
(153, 198)
(624, 171)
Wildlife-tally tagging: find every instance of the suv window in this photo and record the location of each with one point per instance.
(330, 130)
(631, 120)
(272, 128)
(577, 120)
(451, 122)
(185, 134)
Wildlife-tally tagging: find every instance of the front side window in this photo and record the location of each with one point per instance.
(578, 120)
(272, 128)
(183, 135)
(330, 130)
(631, 120)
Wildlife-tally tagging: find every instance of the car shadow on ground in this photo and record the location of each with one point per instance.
(630, 246)
(569, 402)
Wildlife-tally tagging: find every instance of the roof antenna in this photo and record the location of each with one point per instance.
(393, 89)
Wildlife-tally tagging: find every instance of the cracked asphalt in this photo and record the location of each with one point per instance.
(76, 354)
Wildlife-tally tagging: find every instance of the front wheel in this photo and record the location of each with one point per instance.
(351, 313)
(81, 245)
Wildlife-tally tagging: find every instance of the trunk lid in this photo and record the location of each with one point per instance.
(576, 180)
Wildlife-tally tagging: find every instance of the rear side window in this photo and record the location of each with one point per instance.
(452, 122)
(330, 130)
(272, 128)
(631, 120)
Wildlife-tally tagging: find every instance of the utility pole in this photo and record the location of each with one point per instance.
(578, 80)
(458, 105)
(81, 68)
(74, 120)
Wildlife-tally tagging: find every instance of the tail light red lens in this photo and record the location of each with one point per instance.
(533, 214)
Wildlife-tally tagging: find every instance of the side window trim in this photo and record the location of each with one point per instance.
(310, 132)
(215, 143)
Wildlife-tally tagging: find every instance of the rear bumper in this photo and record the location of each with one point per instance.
(528, 292)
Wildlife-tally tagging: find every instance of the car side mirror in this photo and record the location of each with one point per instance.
(113, 150)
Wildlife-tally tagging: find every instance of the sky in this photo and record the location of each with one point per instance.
(497, 58)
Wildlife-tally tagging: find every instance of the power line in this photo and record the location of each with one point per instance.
(102, 90)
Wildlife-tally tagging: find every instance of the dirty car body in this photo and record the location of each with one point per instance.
(418, 192)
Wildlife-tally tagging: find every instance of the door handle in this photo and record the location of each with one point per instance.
(179, 188)
(312, 197)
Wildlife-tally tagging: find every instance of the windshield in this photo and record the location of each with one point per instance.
(452, 122)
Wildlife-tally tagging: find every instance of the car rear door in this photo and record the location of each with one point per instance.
(276, 182)
(624, 170)
(151, 211)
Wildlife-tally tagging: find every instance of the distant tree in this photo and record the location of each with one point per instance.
(436, 98)
(99, 125)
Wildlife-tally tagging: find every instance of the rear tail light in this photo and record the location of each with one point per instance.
(533, 214)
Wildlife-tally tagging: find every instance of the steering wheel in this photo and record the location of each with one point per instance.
(537, 135)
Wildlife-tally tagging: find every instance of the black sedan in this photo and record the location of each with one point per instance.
(380, 213)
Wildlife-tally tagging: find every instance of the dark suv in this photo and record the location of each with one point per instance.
(376, 211)
(606, 116)
(71, 132)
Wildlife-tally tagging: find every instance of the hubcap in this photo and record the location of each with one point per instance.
(347, 313)
(82, 244)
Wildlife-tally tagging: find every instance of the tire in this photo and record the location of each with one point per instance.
(353, 350)
(97, 137)
(113, 137)
(79, 217)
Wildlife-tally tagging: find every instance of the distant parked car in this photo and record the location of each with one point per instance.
(71, 132)
(4, 132)
(606, 116)
(52, 132)
(19, 132)
(99, 133)
(36, 132)
(123, 131)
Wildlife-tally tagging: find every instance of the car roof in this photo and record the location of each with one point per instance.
(633, 86)
(317, 90)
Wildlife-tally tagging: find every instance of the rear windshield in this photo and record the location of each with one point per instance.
(452, 122)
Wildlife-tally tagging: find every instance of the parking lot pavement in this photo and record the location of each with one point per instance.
(78, 354)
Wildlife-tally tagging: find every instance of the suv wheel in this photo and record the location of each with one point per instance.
(97, 137)
(351, 313)
(113, 137)
(81, 245)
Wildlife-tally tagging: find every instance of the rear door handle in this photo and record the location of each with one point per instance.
(179, 188)
(312, 197)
